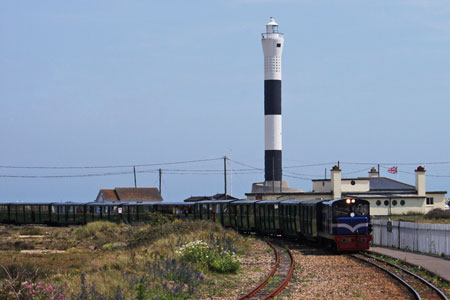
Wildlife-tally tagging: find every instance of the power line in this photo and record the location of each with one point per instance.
(352, 172)
(67, 176)
(109, 167)
(311, 165)
(396, 163)
(411, 173)
(245, 165)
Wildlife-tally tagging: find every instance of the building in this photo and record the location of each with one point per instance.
(214, 197)
(386, 196)
(129, 195)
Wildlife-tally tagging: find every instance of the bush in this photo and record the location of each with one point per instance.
(226, 262)
(149, 233)
(113, 246)
(30, 230)
(212, 256)
(195, 252)
(14, 280)
(438, 213)
(96, 230)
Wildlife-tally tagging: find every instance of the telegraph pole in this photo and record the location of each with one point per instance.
(225, 175)
(160, 176)
(134, 171)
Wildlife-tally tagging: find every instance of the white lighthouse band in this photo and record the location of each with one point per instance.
(272, 42)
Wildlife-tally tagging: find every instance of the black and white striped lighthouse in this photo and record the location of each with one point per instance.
(272, 42)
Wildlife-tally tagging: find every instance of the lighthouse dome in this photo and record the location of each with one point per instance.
(272, 26)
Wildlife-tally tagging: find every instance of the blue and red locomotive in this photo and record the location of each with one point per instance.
(341, 224)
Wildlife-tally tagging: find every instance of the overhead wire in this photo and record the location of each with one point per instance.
(178, 171)
(109, 167)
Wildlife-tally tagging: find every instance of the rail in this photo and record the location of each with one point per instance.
(281, 286)
(369, 260)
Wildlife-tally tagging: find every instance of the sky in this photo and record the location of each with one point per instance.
(122, 83)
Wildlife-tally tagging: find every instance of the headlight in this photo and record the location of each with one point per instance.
(348, 201)
(353, 200)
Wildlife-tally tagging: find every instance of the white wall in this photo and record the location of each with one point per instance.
(417, 237)
(361, 185)
(322, 186)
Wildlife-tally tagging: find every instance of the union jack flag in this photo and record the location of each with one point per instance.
(393, 170)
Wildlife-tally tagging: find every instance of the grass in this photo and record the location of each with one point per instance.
(435, 216)
(114, 260)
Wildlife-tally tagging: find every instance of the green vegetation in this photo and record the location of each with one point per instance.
(213, 256)
(436, 215)
(30, 230)
(170, 259)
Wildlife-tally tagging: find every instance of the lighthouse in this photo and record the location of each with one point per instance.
(272, 43)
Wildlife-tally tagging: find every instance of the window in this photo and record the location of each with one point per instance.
(378, 202)
(279, 45)
(394, 202)
(402, 202)
(386, 202)
(430, 201)
(352, 182)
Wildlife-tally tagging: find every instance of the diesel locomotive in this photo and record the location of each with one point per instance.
(341, 224)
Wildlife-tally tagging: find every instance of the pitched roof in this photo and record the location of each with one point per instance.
(222, 197)
(197, 198)
(206, 198)
(388, 184)
(129, 195)
(138, 194)
(107, 196)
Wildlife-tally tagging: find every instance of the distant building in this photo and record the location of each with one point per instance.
(129, 195)
(386, 196)
(214, 197)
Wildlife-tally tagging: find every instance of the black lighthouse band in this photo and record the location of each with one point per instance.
(272, 114)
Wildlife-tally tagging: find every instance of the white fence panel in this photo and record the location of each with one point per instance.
(418, 237)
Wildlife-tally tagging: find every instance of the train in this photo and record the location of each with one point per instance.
(340, 224)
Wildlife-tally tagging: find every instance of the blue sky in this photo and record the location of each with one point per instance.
(106, 83)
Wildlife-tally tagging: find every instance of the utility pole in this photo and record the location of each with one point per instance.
(378, 170)
(160, 177)
(273, 174)
(325, 173)
(225, 175)
(134, 171)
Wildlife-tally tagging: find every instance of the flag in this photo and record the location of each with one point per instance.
(393, 170)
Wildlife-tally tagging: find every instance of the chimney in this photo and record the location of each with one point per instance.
(421, 187)
(336, 177)
(373, 173)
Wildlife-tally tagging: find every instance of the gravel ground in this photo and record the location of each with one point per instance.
(255, 266)
(321, 275)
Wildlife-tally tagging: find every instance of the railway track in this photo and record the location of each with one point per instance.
(279, 276)
(419, 287)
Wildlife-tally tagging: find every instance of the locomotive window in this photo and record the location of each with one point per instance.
(361, 210)
(344, 210)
